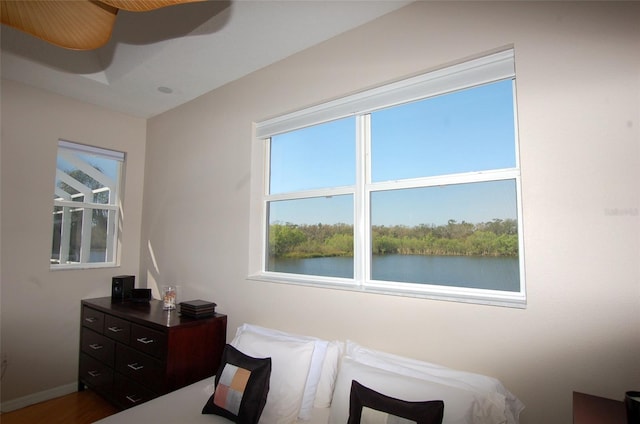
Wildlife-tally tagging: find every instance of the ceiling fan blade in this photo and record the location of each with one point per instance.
(77, 25)
(145, 5)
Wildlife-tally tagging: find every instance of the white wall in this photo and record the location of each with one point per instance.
(40, 307)
(578, 81)
(578, 70)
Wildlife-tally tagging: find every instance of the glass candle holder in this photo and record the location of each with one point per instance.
(169, 297)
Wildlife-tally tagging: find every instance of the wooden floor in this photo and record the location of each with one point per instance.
(82, 407)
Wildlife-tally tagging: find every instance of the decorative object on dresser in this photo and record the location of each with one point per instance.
(121, 287)
(197, 308)
(169, 297)
(141, 295)
(133, 352)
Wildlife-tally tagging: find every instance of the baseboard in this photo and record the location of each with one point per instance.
(31, 399)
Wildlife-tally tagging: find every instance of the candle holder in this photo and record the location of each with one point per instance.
(169, 297)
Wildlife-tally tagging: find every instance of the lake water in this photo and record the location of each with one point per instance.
(460, 271)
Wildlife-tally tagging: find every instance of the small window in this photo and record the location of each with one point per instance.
(411, 188)
(86, 206)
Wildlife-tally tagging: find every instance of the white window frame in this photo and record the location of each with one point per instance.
(487, 69)
(66, 202)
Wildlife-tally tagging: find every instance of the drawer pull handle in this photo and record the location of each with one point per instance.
(93, 373)
(133, 398)
(116, 329)
(145, 340)
(91, 319)
(96, 346)
(135, 366)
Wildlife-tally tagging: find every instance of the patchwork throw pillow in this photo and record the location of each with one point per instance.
(241, 387)
(367, 406)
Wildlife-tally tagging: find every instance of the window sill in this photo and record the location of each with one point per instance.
(68, 267)
(450, 294)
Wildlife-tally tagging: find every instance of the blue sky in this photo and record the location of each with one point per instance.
(465, 131)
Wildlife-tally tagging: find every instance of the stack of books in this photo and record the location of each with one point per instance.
(197, 308)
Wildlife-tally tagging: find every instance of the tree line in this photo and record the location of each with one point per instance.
(495, 238)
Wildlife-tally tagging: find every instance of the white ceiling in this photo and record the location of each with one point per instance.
(191, 49)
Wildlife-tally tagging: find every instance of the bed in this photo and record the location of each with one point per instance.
(273, 377)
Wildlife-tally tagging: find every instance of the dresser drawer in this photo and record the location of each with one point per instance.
(128, 393)
(140, 367)
(98, 346)
(92, 319)
(96, 374)
(117, 328)
(148, 341)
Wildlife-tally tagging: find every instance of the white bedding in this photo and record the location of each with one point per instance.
(184, 406)
(311, 379)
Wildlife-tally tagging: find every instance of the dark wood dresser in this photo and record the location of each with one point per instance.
(133, 352)
(589, 409)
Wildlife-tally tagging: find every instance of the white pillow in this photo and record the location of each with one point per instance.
(439, 374)
(315, 367)
(290, 360)
(460, 406)
(327, 381)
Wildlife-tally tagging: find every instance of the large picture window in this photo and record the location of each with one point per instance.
(85, 206)
(412, 188)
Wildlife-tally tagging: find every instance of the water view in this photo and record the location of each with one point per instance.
(494, 273)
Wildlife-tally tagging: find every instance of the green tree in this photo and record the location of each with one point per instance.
(284, 238)
(340, 244)
(384, 245)
(495, 238)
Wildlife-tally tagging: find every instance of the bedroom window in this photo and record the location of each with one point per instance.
(86, 206)
(412, 188)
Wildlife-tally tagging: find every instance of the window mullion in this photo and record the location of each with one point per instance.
(443, 180)
(111, 229)
(325, 192)
(85, 242)
(266, 192)
(65, 235)
(515, 124)
(363, 176)
(76, 205)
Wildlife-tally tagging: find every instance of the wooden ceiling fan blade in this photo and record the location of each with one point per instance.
(146, 5)
(77, 25)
